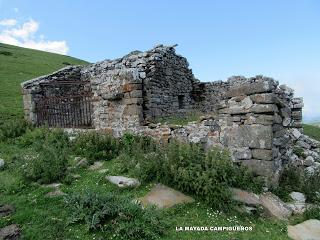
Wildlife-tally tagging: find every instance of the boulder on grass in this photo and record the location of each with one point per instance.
(274, 206)
(308, 230)
(123, 182)
(164, 197)
(245, 197)
(11, 232)
(6, 210)
(298, 197)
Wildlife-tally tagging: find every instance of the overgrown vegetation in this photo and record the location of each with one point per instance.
(13, 129)
(188, 168)
(96, 146)
(294, 178)
(48, 159)
(115, 215)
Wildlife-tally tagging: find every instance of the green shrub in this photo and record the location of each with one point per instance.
(13, 129)
(294, 178)
(312, 213)
(96, 146)
(311, 187)
(32, 136)
(136, 144)
(11, 183)
(190, 169)
(47, 160)
(115, 215)
(299, 152)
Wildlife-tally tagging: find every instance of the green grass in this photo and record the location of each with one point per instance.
(179, 120)
(20, 64)
(43, 217)
(312, 131)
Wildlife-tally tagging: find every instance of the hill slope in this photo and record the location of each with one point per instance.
(20, 64)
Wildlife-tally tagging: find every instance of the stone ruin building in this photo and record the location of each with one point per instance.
(259, 121)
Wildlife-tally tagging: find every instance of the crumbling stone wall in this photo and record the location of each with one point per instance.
(168, 84)
(259, 121)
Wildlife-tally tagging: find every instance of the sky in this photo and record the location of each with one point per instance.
(275, 38)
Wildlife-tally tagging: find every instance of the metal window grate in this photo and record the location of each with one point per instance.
(65, 111)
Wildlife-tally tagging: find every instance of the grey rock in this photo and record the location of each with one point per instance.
(11, 232)
(6, 210)
(245, 197)
(296, 133)
(240, 153)
(164, 197)
(298, 197)
(303, 144)
(55, 192)
(2, 163)
(309, 161)
(287, 90)
(253, 136)
(96, 166)
(263, 154)
(82, 163)
(260, 167)
(274, 206)
(263, 98)
(297, 208)
(264, 108)
(308, 230)
(123, 182)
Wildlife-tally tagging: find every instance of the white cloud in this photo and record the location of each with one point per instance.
(25, 35)
(8, 22)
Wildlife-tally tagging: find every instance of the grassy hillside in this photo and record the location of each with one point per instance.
(312, 131)
(20, 64)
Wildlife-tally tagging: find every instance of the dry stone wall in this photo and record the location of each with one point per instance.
(259, 121)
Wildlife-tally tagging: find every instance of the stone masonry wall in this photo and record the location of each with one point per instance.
(259, 121)
(168, 85)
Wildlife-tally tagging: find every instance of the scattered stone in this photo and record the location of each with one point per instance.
(296, 133)
(11, 232)
(309, 161)
(247, 209)
(56, 192)
(96, 166)
(1, 163)
(52, 185)
(103, 170)
(76, 176)
(274, 206)
(83, 162)
(123, 182)
(164, 197)
(298, 197)
(297, 208)
(308, 230)
(245, 197)
(6, 210)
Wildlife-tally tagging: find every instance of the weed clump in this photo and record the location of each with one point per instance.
(115, 215)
